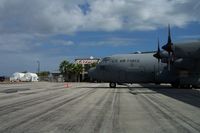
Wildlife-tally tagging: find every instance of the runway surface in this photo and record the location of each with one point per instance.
(94, 108)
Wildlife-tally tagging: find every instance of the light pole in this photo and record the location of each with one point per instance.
(38, 62)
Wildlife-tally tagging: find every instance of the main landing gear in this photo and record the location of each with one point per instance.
(178, 85)
(112, 85)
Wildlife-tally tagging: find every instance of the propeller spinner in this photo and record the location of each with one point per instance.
(157, 54)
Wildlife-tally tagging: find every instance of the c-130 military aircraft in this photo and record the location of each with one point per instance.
(177, 64)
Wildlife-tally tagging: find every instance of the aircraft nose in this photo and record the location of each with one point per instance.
(91, 72)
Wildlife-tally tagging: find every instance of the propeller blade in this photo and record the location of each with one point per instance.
(157, 54)
(168, 46)
(169, 35)
(169, 62)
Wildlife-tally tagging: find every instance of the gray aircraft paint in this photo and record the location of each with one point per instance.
(128, 68)
(144, 68)
(187, 50)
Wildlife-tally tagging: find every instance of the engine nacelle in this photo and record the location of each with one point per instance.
(185, 64)
(187, 50)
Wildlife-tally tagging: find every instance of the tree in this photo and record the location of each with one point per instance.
(64, 68)
(94, 64)
(68, 69)
(44, 73)
(77, 69)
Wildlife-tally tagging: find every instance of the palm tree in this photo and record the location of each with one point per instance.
(94, 64)
(68, 69)
(64, 68)
(77, 69)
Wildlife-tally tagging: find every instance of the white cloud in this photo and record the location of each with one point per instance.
(32, 22)
(113, 41)
(15, 42)
(60, 42)
(61, 16)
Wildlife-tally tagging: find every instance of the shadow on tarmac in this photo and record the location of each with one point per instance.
(189, 96)
(104, 87)
(14, 90)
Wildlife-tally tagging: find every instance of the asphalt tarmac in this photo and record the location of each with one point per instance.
(44, 107)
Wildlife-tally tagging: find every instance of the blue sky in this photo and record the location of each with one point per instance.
(51, 31)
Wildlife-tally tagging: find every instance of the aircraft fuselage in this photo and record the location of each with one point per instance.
(128, 68)
(140, 68)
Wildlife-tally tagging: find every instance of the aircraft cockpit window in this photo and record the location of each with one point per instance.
(114, 61)
(106, 59)
(123, 60)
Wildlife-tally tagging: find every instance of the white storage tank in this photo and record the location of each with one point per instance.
(26, 77)
(31, 76)
(17, 76)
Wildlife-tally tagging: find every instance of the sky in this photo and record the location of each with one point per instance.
(50, 31)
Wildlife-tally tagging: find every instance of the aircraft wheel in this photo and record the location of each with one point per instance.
(112, 85)
(196, 86)
(186, 86)
(189, 86)
(176, 84)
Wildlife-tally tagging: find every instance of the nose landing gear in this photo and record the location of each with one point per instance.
(112, 85)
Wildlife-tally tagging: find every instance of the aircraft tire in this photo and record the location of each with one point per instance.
(195, 86)
(186, 86)
(112, 85)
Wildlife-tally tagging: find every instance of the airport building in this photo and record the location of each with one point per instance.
(86, 63)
